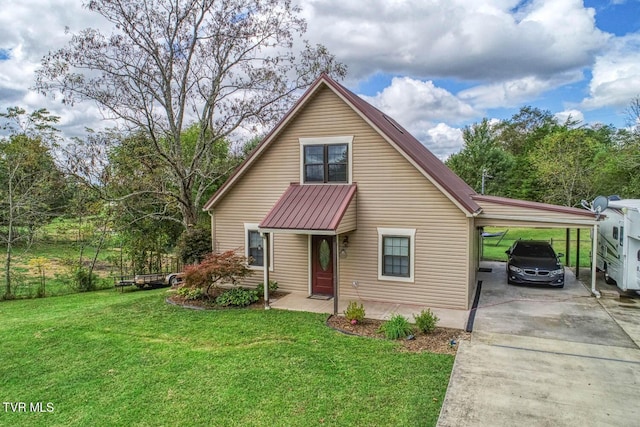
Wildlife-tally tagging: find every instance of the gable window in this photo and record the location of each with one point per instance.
(326, 163)
(254, 249)
(326, 160)
(396, 254)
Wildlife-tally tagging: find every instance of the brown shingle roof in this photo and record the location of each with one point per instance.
(440, 175)
(310, 207)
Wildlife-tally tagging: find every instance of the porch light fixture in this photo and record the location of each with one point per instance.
(344, 246)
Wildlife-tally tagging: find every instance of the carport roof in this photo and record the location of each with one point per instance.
(501, 211)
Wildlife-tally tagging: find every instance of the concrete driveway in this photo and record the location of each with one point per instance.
(546, 357)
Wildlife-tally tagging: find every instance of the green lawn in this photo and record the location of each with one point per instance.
(494, 251)
(111, 358)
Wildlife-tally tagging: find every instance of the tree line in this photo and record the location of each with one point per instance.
(533, 156)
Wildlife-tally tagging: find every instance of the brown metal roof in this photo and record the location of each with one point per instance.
(310, 207)
(534, 205)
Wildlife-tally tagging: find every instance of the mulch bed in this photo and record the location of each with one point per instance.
(441, 340)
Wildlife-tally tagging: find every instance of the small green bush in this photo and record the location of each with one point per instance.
(426, 321)
(237, 297)
(354, 312)
(273, 286)
(191, 293)
(84, 280)
(396, 328)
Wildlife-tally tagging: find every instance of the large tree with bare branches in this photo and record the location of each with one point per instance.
(220, 65)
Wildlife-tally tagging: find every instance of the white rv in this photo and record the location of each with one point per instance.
(619, 242)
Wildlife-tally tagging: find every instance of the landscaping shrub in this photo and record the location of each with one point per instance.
(217, 269)
(426, 321)
(237, 297)
(190, 293)
(354, 312)
(273, 286)
(397, 327)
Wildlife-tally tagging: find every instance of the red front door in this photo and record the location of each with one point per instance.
(322, 265)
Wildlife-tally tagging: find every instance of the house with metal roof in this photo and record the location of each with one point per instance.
(340, 201)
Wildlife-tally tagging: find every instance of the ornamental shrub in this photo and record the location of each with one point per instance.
(273, 286)
(237, 297)
(426, 321)
(397, 327)
(354, 312)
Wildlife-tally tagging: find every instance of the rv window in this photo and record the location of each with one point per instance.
(615, 233)
(638, 255)
(621, 235)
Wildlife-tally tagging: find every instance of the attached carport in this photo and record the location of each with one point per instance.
(513, 213)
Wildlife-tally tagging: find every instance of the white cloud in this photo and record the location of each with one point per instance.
(616, 75)
(573, 115)
(443, 140)
(473, 40)
(511, 93)
(408, 100)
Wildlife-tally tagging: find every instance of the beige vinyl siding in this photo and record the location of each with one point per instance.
(349, 221)
(391, 194)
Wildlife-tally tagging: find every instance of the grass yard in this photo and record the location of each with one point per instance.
(111, 358)
(494, 251)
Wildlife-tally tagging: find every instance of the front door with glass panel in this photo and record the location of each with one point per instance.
(322, 265)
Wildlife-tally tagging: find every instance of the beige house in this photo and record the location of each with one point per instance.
(340, 201)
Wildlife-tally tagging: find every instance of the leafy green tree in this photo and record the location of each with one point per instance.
(169, 64)
(519, 136)
(482, 154)
(30, 183)
(565, 161)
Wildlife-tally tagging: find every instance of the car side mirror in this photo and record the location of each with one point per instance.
(507, 252)
(560, 255)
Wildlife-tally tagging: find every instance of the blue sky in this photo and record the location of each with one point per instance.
(435, 66)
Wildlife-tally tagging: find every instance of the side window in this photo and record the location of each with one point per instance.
(621, 235)
(638, 255)
(255, 251)
(253, 247)
(396, 254)
(615, 233)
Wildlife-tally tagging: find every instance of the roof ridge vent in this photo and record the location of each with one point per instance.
(393, 123)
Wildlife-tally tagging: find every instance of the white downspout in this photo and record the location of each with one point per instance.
(594, 254)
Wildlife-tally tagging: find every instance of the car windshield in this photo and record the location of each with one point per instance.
(536, 250)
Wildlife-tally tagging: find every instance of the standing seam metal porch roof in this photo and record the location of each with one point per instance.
(310, 208)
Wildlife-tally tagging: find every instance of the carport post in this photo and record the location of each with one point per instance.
(567, 248)
(594, 252)
(577, 253)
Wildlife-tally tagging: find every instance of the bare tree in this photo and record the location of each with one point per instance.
(170, 64)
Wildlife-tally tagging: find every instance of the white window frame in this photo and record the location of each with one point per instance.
(397, 232)
(328, 140)
(254, 227)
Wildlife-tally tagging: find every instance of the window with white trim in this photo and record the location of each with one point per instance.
(326, 160)
(253, 247)
(396, 254)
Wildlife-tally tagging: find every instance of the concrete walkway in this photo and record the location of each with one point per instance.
(545, 357)
(374, 309)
